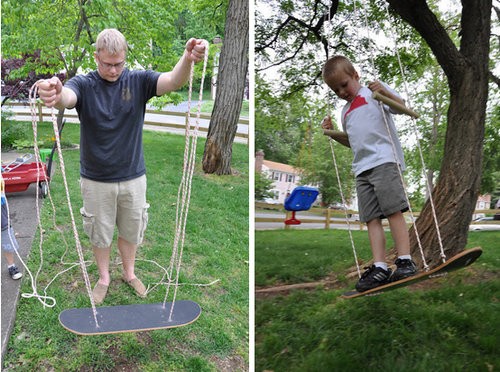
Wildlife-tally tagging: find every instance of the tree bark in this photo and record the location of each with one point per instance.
(457, 188)
(230, 90)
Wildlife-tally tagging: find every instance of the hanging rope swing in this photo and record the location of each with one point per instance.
(136, 317)
(458, 261)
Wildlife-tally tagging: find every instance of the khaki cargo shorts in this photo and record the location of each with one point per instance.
(106, 204)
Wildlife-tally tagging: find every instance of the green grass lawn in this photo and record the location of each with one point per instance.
(208, 106)
(216, 247)
(208, 103)
(446, 324)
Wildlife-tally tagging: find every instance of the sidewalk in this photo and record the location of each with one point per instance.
(23, 219)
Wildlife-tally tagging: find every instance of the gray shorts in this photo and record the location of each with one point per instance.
(106, 204)
(380, 192)
(9, 242)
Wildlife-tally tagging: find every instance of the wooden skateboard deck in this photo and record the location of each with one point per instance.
(129, 318)
(459, 261)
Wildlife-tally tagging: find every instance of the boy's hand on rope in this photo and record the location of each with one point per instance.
(327, 122)
(50, 91)
(340, 137)
(195, 49)
(376, 86)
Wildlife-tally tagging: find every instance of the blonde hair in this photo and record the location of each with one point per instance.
(112, 41)
(335, 63)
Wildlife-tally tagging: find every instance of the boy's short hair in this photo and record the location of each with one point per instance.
(112, 41)
(338, 62)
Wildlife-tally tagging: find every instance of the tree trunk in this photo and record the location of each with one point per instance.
(457, 188)
(230, 90)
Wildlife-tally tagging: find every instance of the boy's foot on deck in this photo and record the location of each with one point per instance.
(405, 268)
(15, 273)
(373, 277)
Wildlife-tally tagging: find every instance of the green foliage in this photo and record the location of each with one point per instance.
(429, 129)
(318, 164)
(156, 31)
(167, 99)
(280, 125)
(491, 163)
(12, 131)
(263, 186)
(19, 135)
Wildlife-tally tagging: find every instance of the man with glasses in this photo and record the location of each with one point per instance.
(111, 104)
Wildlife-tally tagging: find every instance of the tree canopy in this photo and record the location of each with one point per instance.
(63, 32)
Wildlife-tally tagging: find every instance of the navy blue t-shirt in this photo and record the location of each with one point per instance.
(111, 122)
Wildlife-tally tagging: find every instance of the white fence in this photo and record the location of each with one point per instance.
(170, 121)
(329, 218)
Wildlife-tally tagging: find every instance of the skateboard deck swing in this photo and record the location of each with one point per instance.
(129, 318)
(459, 261)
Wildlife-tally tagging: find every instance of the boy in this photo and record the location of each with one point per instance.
(378, 182)
(9, 242)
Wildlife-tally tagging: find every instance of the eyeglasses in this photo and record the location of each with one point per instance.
(109, 66)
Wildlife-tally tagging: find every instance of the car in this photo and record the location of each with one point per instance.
(484, 224)
(480, 219)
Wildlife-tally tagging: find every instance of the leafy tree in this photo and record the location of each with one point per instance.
(429, 130)
(317, 162)
(15, 83)
(65, 36)
(263, 186)
(491, 165)
(280, 124)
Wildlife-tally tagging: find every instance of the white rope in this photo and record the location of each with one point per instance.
(372, 63)
(353, 246)
(45, 300)
(401, 177)
(345, 209)
(49, 195)
(33, 92)
(184, 192)
(417, 136)
(152, 287)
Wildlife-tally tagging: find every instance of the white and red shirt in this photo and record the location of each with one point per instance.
(363, 121)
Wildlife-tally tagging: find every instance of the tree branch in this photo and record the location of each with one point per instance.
(311, 29)
(495, 79)
(422, 19)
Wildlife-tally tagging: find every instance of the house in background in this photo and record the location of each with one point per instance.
(285, 177)
(483, 202)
